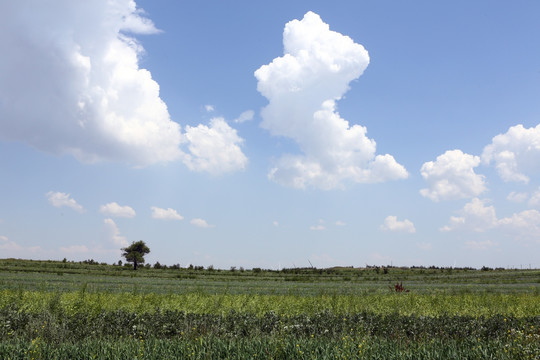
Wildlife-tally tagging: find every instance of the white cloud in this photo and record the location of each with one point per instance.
(523, 226)
(479, 245)
(71, 82)
(209, 108)
(391, 223)
(245, 116)
(11, 248)
(475, 216)
(59, 199)
(302, 88)
(201, 223)
(534, 201)
(114, 233)
(515, 153)
(452, 176)
(215, 149)
(319, 227)
(275, 223)
(340, 223)
(113, 209)
(517, 197)
(165, 214)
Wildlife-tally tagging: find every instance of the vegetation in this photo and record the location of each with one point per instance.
(66, 310)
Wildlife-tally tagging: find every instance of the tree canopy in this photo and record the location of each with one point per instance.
(135, 253)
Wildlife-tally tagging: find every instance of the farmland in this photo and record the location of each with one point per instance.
(69, 310)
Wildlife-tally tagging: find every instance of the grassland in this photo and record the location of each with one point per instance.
(70, 310)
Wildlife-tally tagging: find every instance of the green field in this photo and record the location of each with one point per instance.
(65, 310)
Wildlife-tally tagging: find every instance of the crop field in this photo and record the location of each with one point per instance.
(66, 310)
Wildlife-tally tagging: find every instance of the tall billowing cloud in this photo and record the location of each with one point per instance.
(302, 88)
(515, 153)
(72, 83)
(452, 176)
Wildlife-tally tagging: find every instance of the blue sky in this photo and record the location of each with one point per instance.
(271, 135)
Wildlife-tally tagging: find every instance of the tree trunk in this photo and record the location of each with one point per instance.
(135, 265)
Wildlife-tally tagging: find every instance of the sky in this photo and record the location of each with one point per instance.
(271, 135)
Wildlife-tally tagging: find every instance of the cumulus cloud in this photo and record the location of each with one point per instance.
(201, 223)
(478, 217)
(113, 209)
(475, 216)
(245, 116)
(215, 148)
(60, 199)
(209, 108)
(165, 214)
(452, 176)
(515, 153)
(391, 223)
(302, 88)
(71, 82)
(524, 225)
(113, 233)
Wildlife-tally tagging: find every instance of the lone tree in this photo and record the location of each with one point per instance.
(135, 252)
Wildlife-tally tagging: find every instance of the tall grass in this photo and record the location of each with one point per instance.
(517, 305)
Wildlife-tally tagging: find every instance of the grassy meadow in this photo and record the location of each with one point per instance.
(66, 310)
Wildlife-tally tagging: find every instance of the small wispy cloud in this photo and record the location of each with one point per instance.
(480, 245)
(75, 249)
(114, 233)
(424, 246)
(245, 116)
(517, 197)
(9, 246)
(201, 223)
(209, 108)
(113, 209)
(391, 223)
(319, 227)
(165, 214)
(60, 199)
